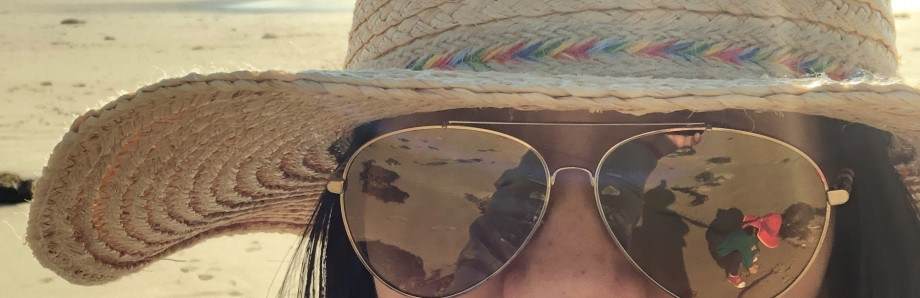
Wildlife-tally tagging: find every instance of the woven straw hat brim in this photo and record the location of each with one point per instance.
(191, 158)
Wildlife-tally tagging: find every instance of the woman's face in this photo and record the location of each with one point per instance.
(572, 253)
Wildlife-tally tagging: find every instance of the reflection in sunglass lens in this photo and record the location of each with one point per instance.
(737, 210)
(435, 211)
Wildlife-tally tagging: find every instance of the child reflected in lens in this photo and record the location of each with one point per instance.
(740, 247)
(678, 213)
(433, 224)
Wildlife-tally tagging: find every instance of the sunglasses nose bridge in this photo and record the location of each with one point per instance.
(552, 178)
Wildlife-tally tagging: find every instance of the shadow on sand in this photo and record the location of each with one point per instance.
(660, 242)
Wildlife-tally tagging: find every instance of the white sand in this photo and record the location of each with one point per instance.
(152, 41)
(49, 73)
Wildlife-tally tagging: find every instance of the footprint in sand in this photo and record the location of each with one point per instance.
(254, 246)
(188, 269)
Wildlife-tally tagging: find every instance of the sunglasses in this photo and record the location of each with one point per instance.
(434, 211)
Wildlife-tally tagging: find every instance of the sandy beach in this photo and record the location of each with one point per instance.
(60, 58)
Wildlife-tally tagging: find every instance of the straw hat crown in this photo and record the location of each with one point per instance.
(718, 39)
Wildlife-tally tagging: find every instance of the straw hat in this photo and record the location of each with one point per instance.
(190, 158)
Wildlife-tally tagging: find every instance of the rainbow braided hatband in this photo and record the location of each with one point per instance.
(480, 59)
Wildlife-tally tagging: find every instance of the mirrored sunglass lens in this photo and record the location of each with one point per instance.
(435, 211)
(735, 204)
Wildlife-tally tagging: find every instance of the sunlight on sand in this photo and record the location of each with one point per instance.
(278, 5)
(905, 5)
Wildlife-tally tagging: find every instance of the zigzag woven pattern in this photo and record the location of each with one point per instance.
(481, 59)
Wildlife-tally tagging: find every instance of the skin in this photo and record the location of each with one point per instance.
(572, 253)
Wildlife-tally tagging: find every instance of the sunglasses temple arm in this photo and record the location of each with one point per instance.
(335, 186)
(336, 182)
(840, 190)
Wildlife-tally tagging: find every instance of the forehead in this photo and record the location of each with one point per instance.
(817, 137)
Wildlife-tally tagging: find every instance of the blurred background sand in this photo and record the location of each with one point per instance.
(51, 72)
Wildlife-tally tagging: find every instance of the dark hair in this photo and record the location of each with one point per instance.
(876, 247)
(330, 257)
(324, 263)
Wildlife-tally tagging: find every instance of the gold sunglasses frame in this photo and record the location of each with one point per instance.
(338, 185)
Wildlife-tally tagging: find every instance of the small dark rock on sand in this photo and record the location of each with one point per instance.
(719, 160)
(109, 38)
(14, 189)
(72, 22)
(269, 36)
(698, 198)
(707, 178)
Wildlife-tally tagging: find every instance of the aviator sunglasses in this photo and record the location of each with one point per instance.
(434, 211)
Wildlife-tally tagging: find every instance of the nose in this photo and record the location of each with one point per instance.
(572, 254)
